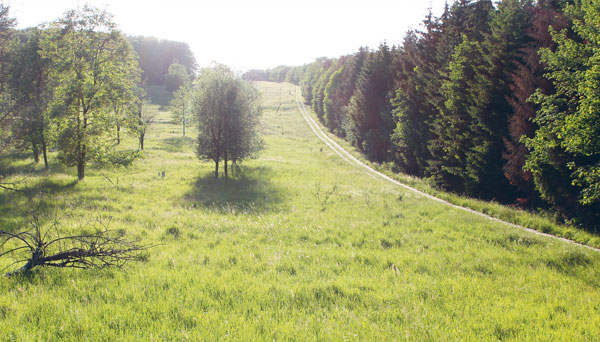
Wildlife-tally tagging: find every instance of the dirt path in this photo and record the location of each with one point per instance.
(314, 126)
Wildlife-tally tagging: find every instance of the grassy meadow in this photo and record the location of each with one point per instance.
(297, 246)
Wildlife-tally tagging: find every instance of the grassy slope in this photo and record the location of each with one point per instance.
(270, 255)
(543, 223)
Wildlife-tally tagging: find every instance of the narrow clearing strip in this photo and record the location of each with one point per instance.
(314, 126)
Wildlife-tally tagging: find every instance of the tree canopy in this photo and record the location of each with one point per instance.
(89, 59)
(228, 112)
(157, 55)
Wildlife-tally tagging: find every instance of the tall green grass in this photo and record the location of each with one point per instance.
(541, 221)
(297, 246)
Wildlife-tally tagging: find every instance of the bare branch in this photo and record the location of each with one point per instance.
(46, 247)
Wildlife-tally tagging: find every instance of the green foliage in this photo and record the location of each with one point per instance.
(256, 258)
(228, 110)
(177, 77)
(331, 110)
(565, 151)
(112, 158)
(7, 101)
(29, 86)
(157, 55)
(369, 107)
(181, 106)
(89, 61)
(529, 76)
(318, 96)
(458, 143)
(311, 76)
(451, 104)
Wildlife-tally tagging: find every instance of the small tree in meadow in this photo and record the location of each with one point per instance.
(228, 112)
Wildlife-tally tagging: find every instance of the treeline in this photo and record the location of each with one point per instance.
(157, 55)
(492, 101)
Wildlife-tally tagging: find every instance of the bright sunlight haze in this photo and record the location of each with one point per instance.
(253, 34)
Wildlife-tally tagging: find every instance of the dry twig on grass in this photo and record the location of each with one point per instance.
(39, 246)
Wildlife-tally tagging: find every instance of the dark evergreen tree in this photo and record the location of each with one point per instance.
(459, 147)
(418, 94)
(529, 76)
(370, 107)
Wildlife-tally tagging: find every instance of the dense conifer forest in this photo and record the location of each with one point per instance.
(491, 100)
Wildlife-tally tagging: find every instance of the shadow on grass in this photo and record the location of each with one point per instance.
(159, 95)
(21, 163)
(16, 206)
(249, 191)
(14, 163)
(177, 144)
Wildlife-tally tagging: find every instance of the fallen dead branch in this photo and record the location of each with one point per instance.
(45, 246)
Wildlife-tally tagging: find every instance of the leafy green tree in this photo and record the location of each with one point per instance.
(89, 58)
(294, 74)
(256, 75)
(318, 97)
(122, 98)
(332, 102)
(228, 112)
(157, 55)
(179, 82)
(565, 151)
(146, 115)
(279, 73)
(29, 83)
(6, 36)
(311, 76)
(243, 140)
(180, 106)
(177, 77)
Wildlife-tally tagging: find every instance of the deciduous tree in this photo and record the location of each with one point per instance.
(565, 151)
(228, 111)
(89, 57)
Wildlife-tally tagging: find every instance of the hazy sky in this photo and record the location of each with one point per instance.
(252, 33)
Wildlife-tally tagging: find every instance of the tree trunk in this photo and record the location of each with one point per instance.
(183, 117)
(80, 170)
(36, 151)
(216, 169)
(225, 168)
(143, 130)
(81, 160)
(118, 133)
(45, 152)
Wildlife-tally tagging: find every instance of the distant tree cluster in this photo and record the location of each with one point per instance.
(67, 86)
(156, 57)
(281, 73)
(498, 101)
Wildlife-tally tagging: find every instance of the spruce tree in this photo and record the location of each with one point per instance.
(528, 76)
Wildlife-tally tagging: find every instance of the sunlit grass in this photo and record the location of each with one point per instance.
(298, 246)
(540, 221)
